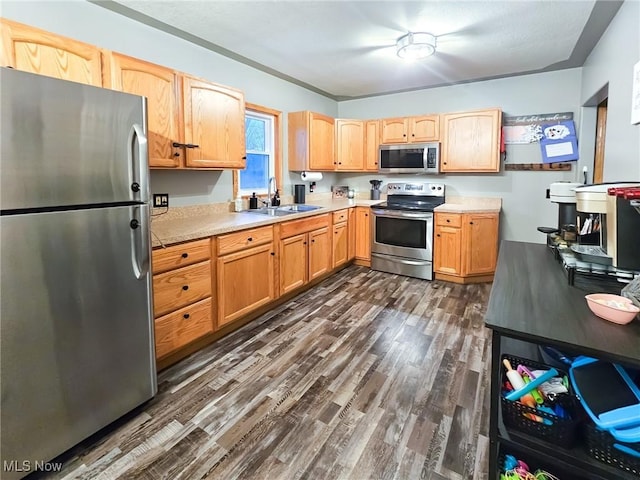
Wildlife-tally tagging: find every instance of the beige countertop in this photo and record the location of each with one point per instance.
(470, 205)
(203, 222)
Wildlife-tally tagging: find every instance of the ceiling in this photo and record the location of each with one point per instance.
(346, 49)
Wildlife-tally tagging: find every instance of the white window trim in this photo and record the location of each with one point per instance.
(269, 150)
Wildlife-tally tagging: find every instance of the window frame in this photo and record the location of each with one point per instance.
(277, 142)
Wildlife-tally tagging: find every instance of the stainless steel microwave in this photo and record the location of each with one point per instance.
(409, 158)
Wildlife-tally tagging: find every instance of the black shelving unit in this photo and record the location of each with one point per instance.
(532, 302)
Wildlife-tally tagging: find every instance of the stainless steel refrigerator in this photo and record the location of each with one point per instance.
(76, 320)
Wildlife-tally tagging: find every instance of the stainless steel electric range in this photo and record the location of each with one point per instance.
(402, 230)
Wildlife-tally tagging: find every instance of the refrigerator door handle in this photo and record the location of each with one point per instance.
(140, 240)
(139, 161)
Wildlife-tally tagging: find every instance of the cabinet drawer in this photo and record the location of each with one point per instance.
(177, 288)
(177, 256)
(234, 242)
(449, 219)
(340, 216)
(183, 326)
(296, 227)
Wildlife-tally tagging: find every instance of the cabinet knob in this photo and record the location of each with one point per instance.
(186, 316)
(366, 214)
(244, 158)
(448, 220)
(313, 241)
(404, 134)
(185, 255)
(185, 287)
(470, 223)
(273, 254)
(177, 154)
(437, 235)
(304, 243)
(250, 239)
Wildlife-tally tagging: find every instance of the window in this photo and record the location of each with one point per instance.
(261, 128)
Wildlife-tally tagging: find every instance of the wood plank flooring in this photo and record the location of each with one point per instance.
(367, 375)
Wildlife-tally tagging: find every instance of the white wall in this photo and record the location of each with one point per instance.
(95, 25)
(611, 61)
(523, 192)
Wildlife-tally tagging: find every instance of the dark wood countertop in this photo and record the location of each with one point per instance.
(532, 301)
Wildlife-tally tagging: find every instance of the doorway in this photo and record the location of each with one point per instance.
(601, 130)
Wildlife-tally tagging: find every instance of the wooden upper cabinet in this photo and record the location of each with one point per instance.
(471, 141)
(160, 86)
(213, 124)
(424, 128)
(311, 141)
(350, 146)
(394, 130)
(372, 143)
(33, 50)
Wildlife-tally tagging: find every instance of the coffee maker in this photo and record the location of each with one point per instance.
(619, 233)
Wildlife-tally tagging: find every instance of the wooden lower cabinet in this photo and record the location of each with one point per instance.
(183, 307)
(363, 236)
(293, 262)
(340, 244)
(179, 328)
(245, 280)
(319, 252)
(465, 246)
(305, 251)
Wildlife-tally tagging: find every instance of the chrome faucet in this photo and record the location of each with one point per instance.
(268, 202)
(272, 181)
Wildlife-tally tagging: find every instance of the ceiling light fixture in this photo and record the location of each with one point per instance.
(416, 45)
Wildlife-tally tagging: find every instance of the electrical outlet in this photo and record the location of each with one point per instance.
(160, 200)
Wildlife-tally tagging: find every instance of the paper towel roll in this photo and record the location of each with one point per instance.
(311, 176)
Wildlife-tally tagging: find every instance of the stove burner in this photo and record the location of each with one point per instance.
(416, 197)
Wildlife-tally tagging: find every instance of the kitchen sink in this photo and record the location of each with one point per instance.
(298, 208)
(284, 210)
(271, 211)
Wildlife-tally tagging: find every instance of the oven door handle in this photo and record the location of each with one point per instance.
(401, 214)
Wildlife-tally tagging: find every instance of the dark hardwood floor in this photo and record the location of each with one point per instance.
(367, 375)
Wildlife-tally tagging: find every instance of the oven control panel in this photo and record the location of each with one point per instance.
(422, 189)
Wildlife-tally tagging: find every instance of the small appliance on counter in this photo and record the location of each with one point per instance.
(563, 193)
(298, 193)
(253, 202)
(619, 232)
(375, 189)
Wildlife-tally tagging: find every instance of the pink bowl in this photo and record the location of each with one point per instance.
(614, 308)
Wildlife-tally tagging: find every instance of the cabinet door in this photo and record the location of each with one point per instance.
(471, 141)
(372, 142)
(349, 145)
(293, 262)
(363, 233)
(340, 244)
(321, 142)
(32, 50)
(319, 252)
(351, 226)
(425, 128)
(214, 121)
(394, 130)
(245, 282)
(447, 250)
(160, 86)
(480, 250)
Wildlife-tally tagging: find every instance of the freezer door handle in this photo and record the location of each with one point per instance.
(140, 241)
(139, 162)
